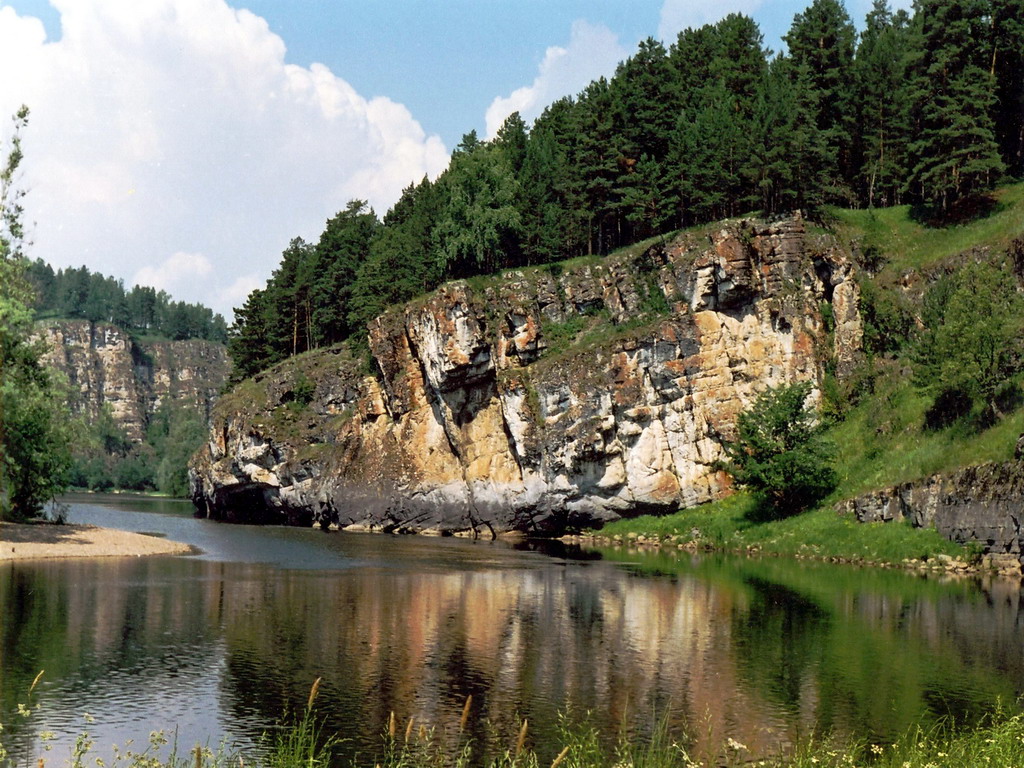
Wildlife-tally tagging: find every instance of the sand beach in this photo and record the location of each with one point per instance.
(36, 541)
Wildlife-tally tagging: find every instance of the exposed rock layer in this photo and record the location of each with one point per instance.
(107, 369)
(479, 422)
(982, 503)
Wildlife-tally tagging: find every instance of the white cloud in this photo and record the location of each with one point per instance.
(181, 274)
(173, 127)
(235, 294)
(677, 15)
(593, 51)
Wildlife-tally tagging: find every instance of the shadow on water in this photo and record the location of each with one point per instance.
(222, 644)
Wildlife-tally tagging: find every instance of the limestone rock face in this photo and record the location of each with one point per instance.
(482, 419)
(106, 368)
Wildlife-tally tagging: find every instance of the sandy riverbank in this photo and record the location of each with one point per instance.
(45, 541)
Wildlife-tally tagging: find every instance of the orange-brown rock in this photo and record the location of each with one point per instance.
(540, 400)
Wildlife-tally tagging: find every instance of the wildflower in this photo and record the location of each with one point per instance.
(88, 718)
(735, 745)
(876, 749)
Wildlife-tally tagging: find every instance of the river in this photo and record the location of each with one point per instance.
(217, 646)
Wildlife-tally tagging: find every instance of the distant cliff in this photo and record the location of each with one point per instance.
(105, 367)
(540, 400)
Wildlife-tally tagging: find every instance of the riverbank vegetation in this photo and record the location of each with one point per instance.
(302, 742)
(33, 437)
(103, 458)
(737, 524)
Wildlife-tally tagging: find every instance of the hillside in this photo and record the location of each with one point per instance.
(899, 456)
(557, 397)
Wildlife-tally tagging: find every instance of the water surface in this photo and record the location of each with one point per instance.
(216, 646)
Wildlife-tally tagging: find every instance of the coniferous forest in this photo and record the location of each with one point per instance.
(141, 311)
(924, 109)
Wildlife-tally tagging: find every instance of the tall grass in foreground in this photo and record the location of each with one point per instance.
(301, 743)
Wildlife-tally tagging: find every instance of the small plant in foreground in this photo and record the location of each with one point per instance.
(997, 742)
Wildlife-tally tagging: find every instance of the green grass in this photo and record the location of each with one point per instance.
(998, 742)
(732, 525)
(883, 442)
(912, 244)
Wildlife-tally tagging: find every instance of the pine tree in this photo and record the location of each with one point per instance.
(341, 249)
(954, 154)
(709, 153)
(791, 159)
(597, 163)
(821, 45)
(250, 339)
(552, 180)
(1007, 67)
(691, 57)
(880, 70)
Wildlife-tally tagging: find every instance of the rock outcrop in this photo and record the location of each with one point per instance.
(981, 503)
(105, 368)
(541, 400)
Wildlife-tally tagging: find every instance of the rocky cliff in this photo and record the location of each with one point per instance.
(980, 503)
(539, 400)
(106, 368)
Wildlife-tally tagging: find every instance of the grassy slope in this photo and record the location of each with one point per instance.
(910, 244)
(880, 442)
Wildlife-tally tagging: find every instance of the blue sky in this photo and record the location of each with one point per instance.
(182, 143)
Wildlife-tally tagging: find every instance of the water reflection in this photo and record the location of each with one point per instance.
(758, 650)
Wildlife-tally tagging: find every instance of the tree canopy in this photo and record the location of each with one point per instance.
(925, 109)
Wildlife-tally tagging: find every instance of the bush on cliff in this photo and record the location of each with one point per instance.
(780, 453)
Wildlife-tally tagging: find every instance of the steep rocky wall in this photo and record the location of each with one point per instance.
(475, 423)
(106, 368)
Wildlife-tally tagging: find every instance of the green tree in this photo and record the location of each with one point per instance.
(343, 246)
(33, 445)
(880, 72)
(250, 338)
(790, 157)
(479, 228)
(1006, 65)
(175, 434)
(708, 156)
(972, 345)
(954, 154)
(780, 453)
(596, 162)
(821, 45)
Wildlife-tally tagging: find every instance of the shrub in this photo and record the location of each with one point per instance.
(780, 453)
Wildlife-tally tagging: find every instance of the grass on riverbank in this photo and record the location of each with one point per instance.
(732, 525)
(995, 743)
